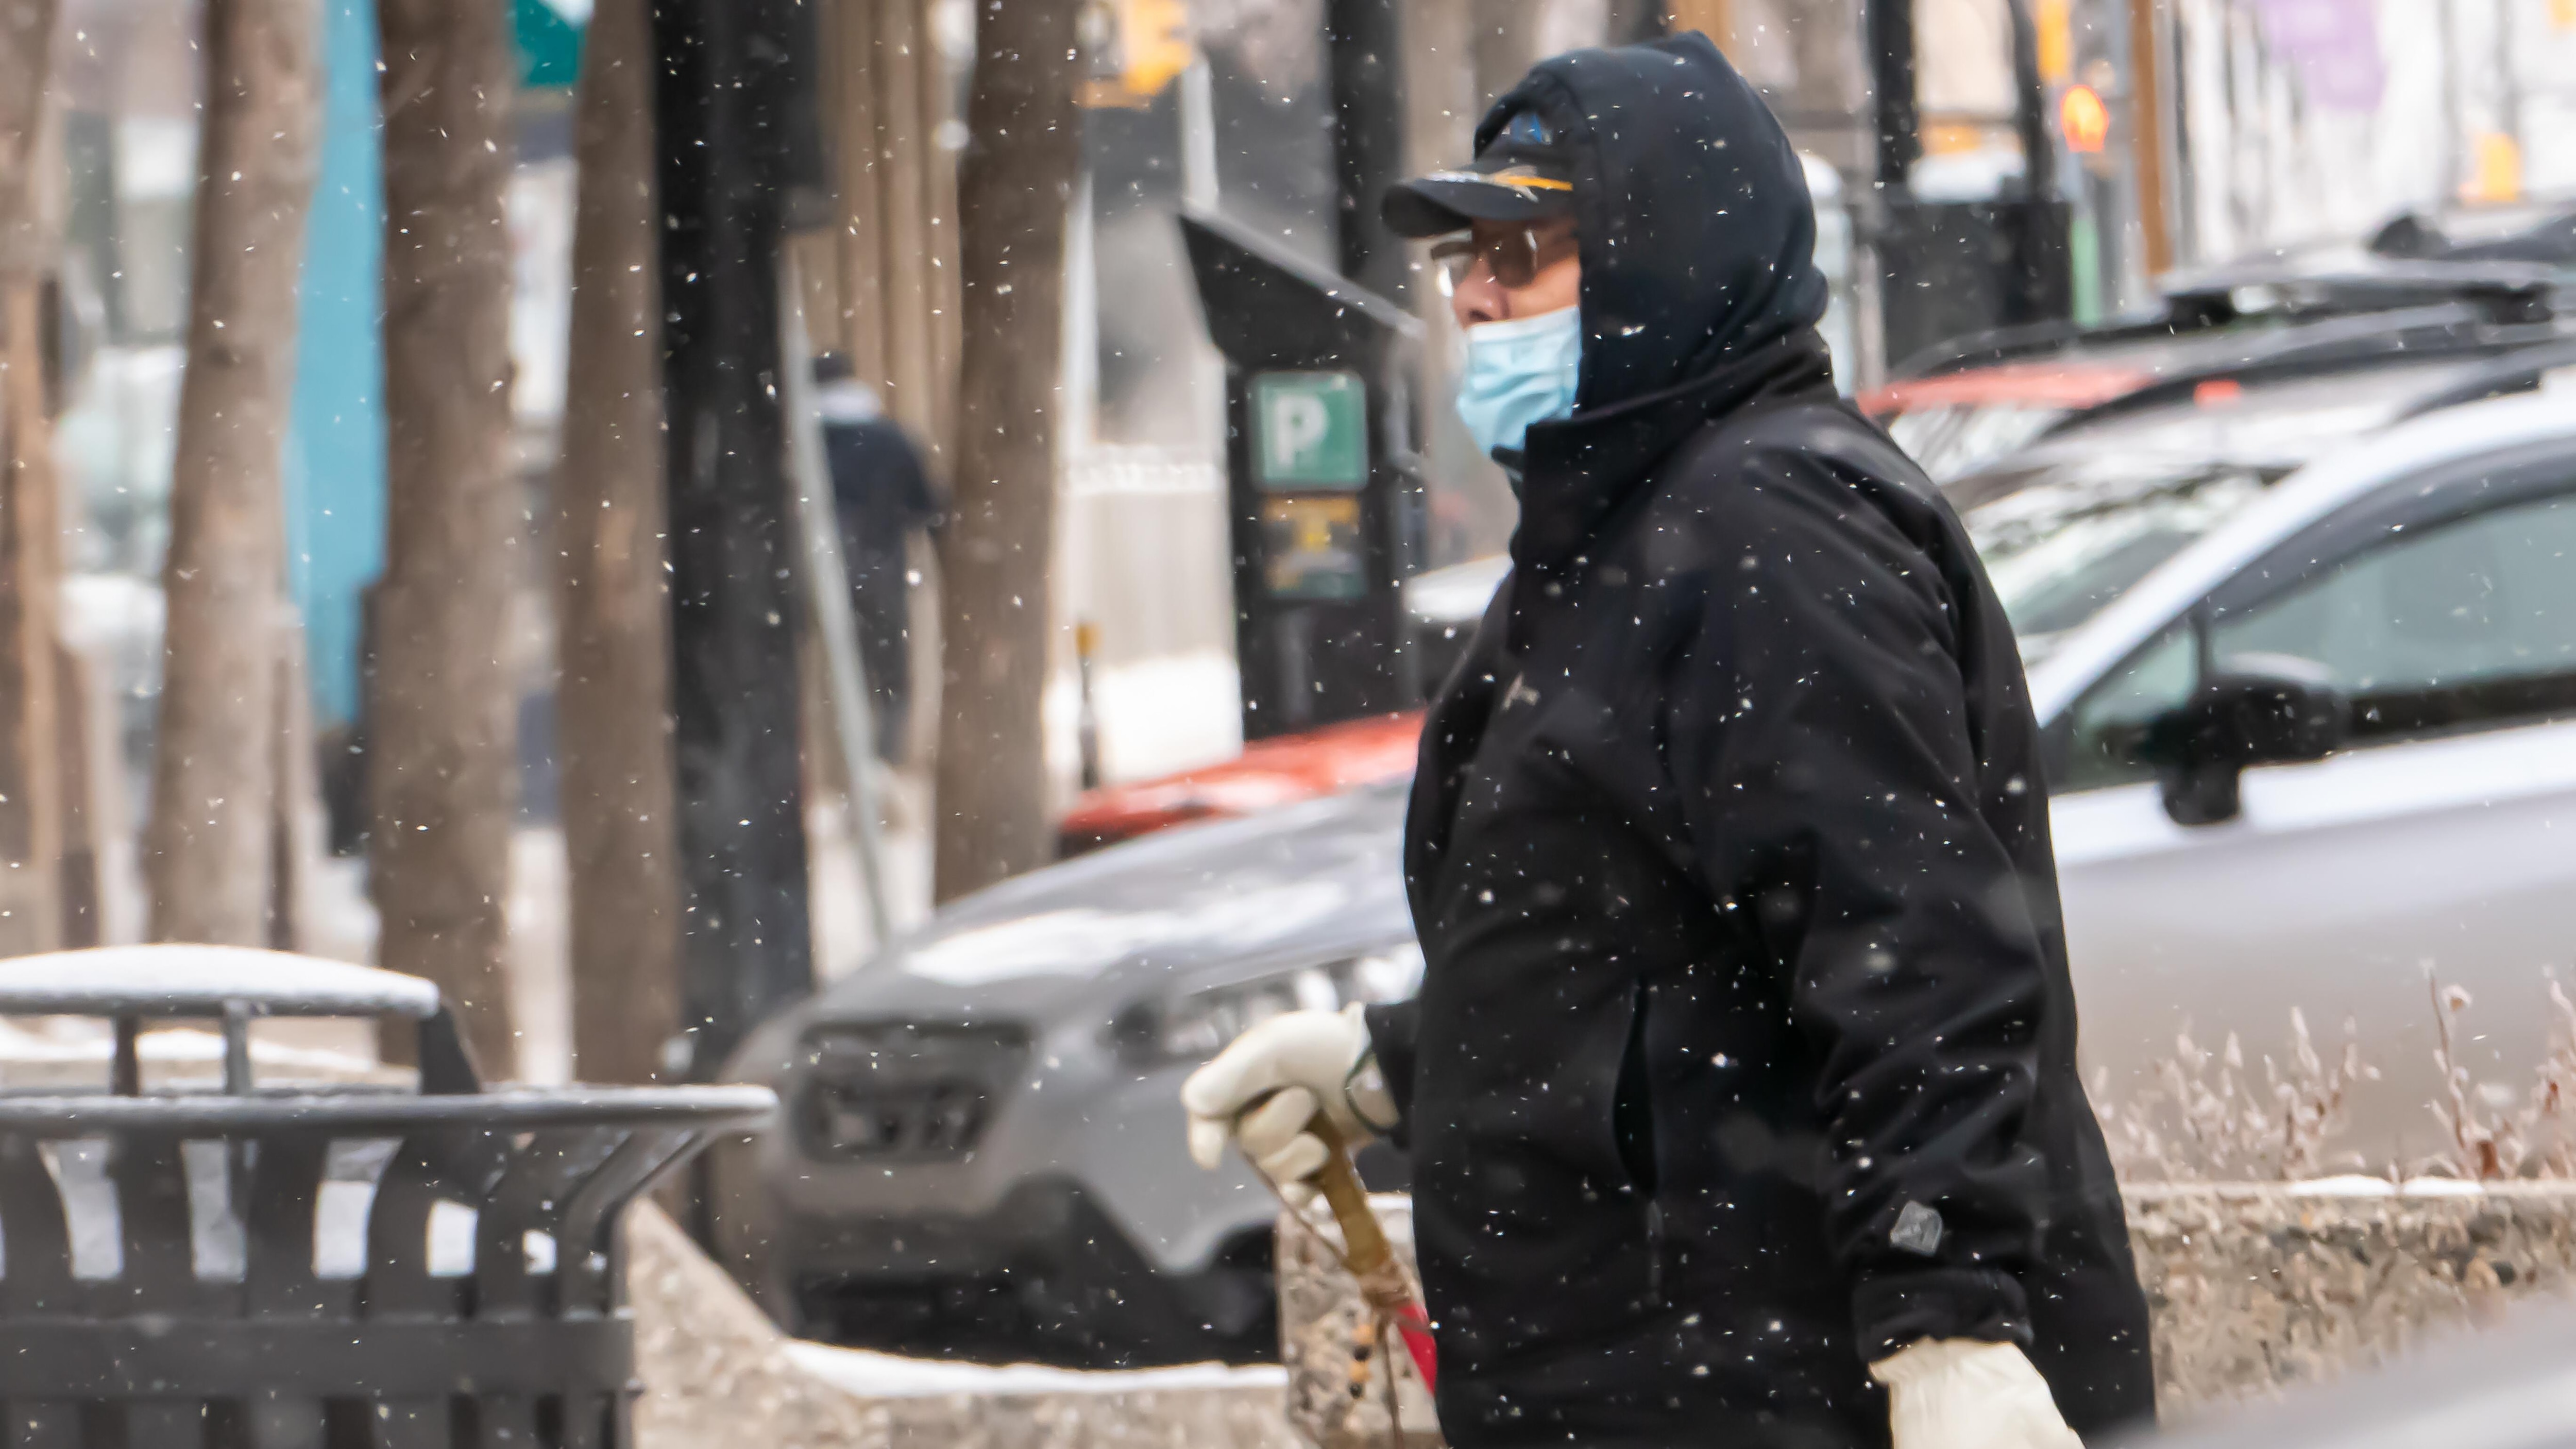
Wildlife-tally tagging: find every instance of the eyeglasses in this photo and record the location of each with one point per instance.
(1514, 255)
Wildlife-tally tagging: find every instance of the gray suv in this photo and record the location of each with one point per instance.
(981, 1148)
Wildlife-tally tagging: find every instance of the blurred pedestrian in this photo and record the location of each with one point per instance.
(883, 497)
(1740, 1092)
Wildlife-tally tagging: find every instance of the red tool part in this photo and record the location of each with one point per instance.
(1365, 1251)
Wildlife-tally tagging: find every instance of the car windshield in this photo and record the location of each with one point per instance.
(2070, 523)
(2066, 544)
(1950, 439)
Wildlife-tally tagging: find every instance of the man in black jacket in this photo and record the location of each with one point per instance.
(1741, 1091)
(883, 497)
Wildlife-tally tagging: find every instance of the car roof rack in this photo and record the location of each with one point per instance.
(2506, 293)
(2522, 356)
(2550, 239)
(2524, 369)
(2503, 293)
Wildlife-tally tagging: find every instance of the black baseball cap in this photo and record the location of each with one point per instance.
(1522, 175)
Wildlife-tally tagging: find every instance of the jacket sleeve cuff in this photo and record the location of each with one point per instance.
(1391, 1031)
(1894, 1308)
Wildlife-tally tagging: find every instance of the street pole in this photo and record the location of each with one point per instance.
(2042, 282)
(732, 149)
(1366, 40)
(1897, 120)
(827, 605)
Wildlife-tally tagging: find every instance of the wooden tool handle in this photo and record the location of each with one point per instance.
(1364, 1244)
(1384, 1285)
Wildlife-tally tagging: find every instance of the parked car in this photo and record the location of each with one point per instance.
(2412, 598)
(1979, 399)
(2323, 745)
(2419, 316)
(2509, 1385)
(1268, 774)
(2124, 488)
(982, 1154)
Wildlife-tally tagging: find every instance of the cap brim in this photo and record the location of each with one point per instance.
(1436, 205)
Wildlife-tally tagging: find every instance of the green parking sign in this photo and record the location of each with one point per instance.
(1309, 430)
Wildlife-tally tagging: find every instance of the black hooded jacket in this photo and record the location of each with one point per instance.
(1746, 1050)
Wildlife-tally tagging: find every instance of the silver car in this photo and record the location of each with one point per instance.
(2419, 583)
(2354, 678)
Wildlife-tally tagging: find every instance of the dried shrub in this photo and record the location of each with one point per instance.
(2531, 1140)
(2205, 1119)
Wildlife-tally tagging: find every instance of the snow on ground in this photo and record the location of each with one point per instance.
(1160, 716)
(871, 1375)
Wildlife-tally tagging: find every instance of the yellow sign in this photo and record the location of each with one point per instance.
(1148, 43)
(2055, 22)
(1312, 546)
(2495, 172)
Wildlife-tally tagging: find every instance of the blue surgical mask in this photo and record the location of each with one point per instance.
(1520, 372)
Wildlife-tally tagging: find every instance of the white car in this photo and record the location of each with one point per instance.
(2323, 757)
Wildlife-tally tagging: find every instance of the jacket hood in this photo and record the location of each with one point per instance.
(1697, 233)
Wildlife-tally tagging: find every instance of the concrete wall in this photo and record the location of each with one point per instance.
(2253, 1287)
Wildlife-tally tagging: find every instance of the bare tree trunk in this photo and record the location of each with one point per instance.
(207, 851)
(31, 794)
(939, 203)
(1712, 18)
(850, 87)
(613, 622)
(1021, 156)
(902, 70)
(27, 233)
(31, 801)
(444, 724)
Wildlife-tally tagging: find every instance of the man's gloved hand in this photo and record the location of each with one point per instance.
(1267, 1085)
(1961, 1393)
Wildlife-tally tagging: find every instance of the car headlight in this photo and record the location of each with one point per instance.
(1194, 1026)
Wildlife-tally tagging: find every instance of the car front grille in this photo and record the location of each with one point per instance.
(903, 1089)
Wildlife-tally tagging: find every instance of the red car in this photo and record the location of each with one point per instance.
(1269, 772)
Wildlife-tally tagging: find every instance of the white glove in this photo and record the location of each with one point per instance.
(1962, 1393)
(1264, 1088)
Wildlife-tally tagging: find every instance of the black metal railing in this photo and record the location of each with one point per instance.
(317, 1266)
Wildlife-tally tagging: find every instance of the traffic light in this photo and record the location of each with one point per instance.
(1145, 45)
(2083, 118)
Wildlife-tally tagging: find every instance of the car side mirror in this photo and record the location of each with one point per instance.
(2261, 710)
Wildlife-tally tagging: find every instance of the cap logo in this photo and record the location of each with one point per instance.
(1527, 129)
(1527, 179)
